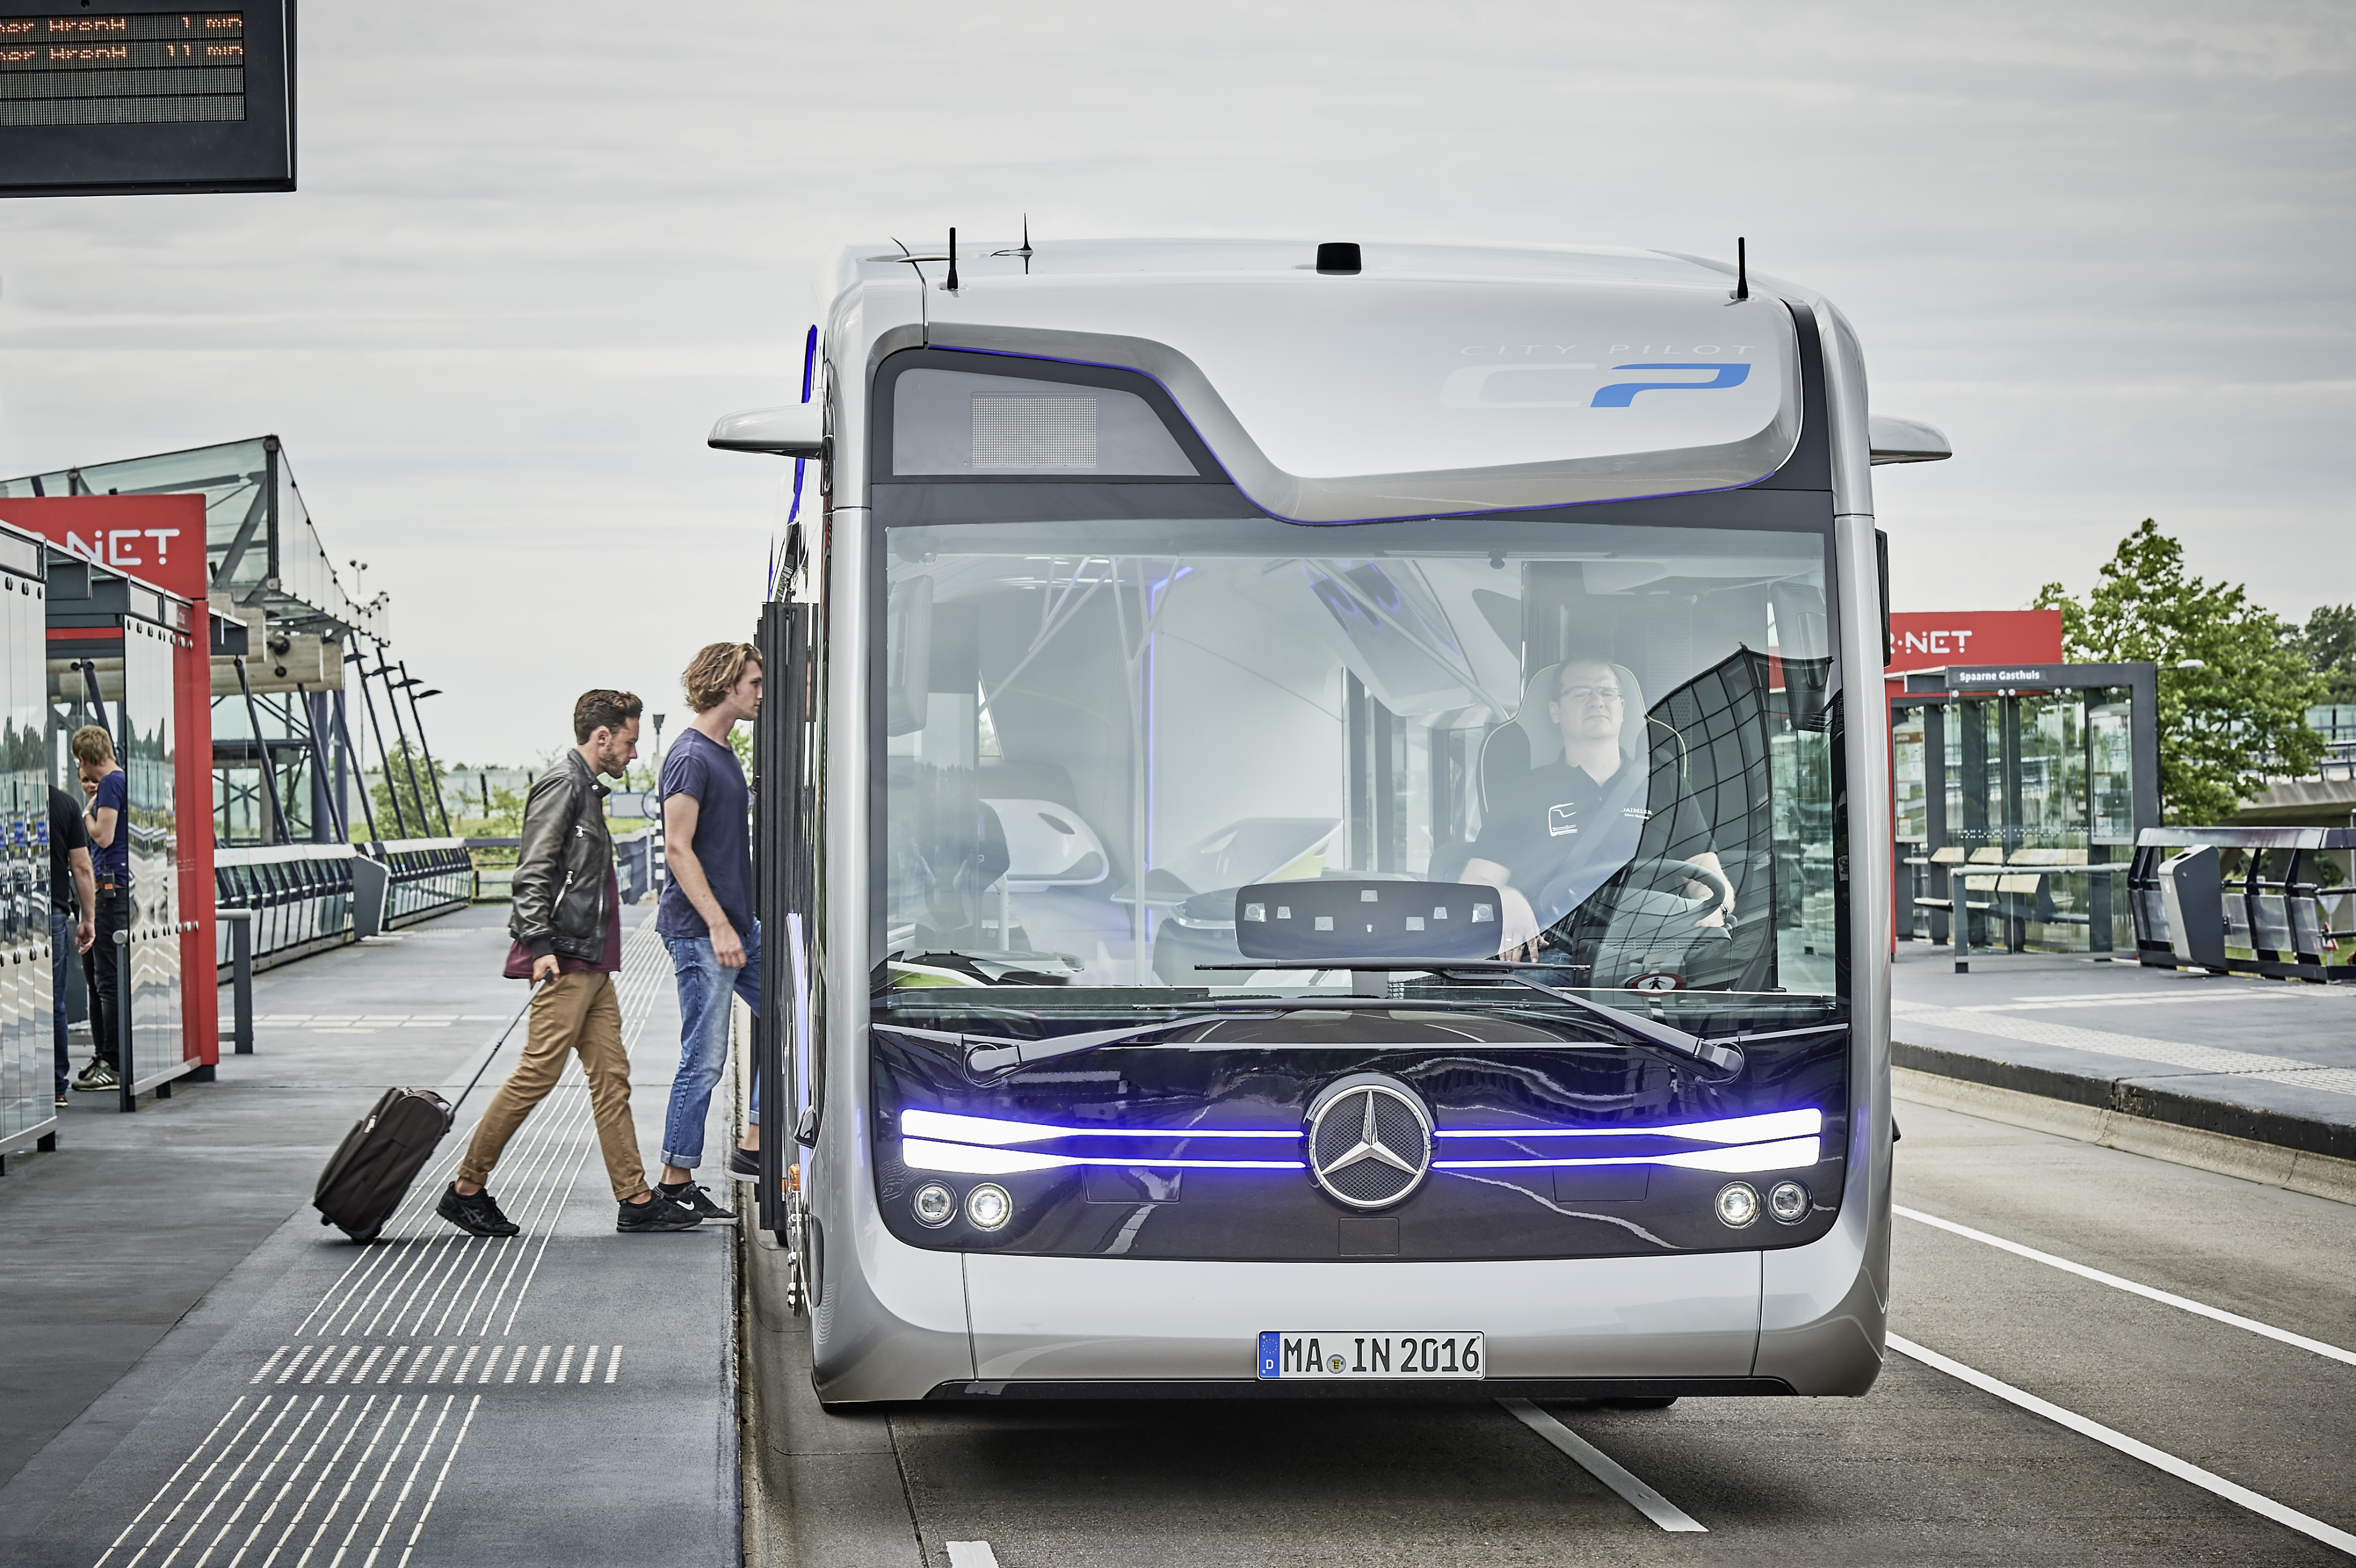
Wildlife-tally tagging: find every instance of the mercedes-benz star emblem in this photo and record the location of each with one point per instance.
(1369, 1140)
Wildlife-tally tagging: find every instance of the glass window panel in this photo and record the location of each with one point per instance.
(1102, 737)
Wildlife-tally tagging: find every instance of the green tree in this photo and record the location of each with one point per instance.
(2328, 642)
(421, 819)
(2225, 725)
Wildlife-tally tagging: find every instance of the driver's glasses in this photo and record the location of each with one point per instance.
(1591, 693)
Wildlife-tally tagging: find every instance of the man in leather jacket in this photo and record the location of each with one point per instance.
(567, 926)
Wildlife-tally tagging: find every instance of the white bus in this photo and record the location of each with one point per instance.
(1324, 827)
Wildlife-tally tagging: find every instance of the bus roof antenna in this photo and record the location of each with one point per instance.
(952, 284)
(1742, 265)
(1025, 252)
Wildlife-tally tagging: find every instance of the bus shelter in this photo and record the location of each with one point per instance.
(28, 1109)
(2018, 794)
(114, 647)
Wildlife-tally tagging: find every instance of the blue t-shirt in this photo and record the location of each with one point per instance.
(113, 862)
(708, 773)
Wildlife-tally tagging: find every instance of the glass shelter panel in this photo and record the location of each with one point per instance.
(2036, 789)
(159, 1045)
(26, 1057)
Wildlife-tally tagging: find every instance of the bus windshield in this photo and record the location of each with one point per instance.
(1097, 733)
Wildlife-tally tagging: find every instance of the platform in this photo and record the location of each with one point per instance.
(196, 1370)
(2264, 1060)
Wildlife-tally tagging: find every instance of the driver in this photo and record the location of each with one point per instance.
(1576, 821)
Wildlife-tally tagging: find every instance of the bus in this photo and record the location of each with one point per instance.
(1322, 827)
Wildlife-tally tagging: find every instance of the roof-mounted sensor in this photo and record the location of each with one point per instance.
(1337, 256)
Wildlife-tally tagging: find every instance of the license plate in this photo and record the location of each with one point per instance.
(1345, 1355)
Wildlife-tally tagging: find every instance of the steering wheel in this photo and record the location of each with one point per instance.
(1671, 876)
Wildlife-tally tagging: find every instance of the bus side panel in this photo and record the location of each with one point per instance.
(892, 1323)
(1691, 1317)
(1825, 1307)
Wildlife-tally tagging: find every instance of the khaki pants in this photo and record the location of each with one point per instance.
(572, 1013)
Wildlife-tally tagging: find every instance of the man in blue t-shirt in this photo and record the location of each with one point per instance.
(706, 914)
(108, 824)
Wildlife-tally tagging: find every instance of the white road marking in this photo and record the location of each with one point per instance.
(2183, 1469)
(1596, 1463)
(614, 1364)
(432, 1496)
(2116, 1283)
(972, 1554)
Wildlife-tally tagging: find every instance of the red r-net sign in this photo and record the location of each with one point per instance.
(1934, 639)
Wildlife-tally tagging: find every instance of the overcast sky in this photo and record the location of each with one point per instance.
(538, 247)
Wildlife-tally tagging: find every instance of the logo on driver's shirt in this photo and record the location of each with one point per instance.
(1561, 820)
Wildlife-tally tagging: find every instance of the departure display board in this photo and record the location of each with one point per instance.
(123, 99)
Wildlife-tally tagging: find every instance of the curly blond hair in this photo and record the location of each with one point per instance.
(713, 672)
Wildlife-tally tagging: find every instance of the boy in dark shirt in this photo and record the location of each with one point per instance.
(706, 916)
(106, 785)
(1571, 825)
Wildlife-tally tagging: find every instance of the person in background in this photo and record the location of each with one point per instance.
(108, 828)
(73, 910)
(567, 925)
(706, 914)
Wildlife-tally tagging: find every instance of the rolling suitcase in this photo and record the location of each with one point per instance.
(370, 1173)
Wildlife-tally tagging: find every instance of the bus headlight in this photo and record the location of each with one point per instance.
(987, 1206)
(1737, 1204)
(1789, 1202)
(933, 1204)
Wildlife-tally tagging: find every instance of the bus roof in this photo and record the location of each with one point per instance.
(1433, 379)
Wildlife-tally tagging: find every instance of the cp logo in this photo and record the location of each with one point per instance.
(1619, 394)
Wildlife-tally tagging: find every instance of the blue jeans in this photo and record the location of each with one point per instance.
(62, 953)
(705, 987)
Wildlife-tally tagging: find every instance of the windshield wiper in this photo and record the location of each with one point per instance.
(988, 1055)
(1725, 1057)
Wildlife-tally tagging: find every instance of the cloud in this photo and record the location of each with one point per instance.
(539, 246)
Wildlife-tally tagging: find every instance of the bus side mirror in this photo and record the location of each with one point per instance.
(1893, 440)
(797, 430)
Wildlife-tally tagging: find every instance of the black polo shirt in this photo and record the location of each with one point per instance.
(1560, 833)
(67, 834)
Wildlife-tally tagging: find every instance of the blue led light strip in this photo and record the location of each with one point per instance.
(996, 1132)
(968, 1159)
(1728, 1130)
(991, 1131)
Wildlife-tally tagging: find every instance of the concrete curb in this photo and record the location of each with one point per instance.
(2138, 1097)
(2115, 1127)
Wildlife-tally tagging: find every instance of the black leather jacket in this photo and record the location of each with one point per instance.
(561, 864)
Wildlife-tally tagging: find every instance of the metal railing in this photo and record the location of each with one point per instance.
(307, 898)
(429, 877)
(2272, 901)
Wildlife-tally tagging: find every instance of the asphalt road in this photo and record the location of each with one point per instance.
(1930, 1468)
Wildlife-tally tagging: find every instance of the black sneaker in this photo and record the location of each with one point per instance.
(476, 1216)
(745, 1164)
(657, 1213)
(696, 1201)
(98, 1075)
